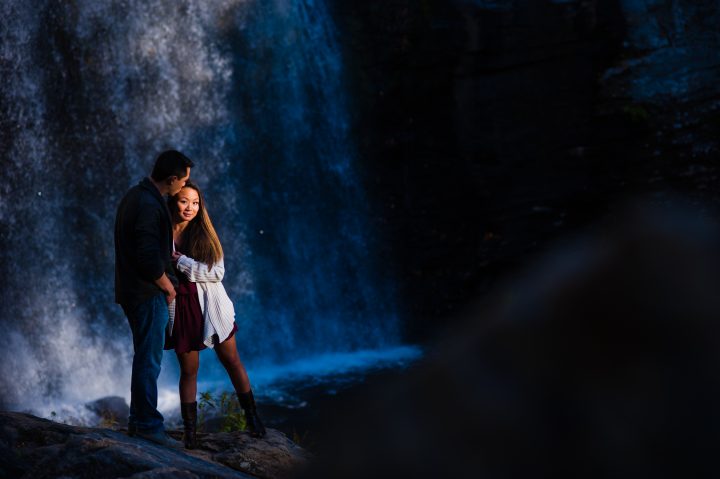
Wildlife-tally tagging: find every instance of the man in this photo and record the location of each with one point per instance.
(145, 284)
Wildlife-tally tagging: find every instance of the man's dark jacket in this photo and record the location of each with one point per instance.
(143, 244)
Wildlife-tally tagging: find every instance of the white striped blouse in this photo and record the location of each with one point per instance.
(218, 310)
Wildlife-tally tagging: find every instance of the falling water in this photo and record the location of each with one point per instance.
(253, 92)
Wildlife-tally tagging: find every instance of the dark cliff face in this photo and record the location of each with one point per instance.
(491, 128)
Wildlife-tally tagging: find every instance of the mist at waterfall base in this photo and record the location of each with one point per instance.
(253, 93)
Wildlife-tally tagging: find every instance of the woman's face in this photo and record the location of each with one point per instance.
(188, 204)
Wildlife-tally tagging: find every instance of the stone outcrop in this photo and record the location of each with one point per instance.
(111, 409)
(273, 456)
(39, 448)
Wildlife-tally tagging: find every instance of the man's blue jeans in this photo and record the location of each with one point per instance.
(147, 322)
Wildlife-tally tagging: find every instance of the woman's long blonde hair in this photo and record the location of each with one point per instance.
(199, 239)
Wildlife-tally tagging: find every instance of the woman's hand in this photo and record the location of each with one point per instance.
(176, 256)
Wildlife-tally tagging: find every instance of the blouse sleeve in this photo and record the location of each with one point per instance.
(198, 272)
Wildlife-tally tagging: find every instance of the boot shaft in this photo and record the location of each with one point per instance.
(188, 410)
(247, 402)
(189, 416)
(254, 424)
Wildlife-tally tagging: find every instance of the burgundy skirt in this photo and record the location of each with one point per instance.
(189, 325)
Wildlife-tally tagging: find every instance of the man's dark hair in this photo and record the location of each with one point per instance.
(170, 163)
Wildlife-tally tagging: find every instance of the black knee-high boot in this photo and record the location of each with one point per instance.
(189, 416)
(254, 424)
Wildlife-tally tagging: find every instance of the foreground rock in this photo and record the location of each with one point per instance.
(273, 456)
(39, 448)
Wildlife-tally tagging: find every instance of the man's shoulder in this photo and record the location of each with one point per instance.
(140, 200)
(134, 191)
(141, 192)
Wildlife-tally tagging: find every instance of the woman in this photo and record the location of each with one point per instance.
(202, 314)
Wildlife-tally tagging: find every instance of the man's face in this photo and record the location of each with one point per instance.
(178, 183)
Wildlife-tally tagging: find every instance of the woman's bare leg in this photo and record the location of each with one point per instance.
(228, 356)
(189, 363)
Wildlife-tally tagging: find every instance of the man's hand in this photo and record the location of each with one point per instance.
(170, 297)
(164, 283)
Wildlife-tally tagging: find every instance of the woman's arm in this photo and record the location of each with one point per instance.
(198, 272)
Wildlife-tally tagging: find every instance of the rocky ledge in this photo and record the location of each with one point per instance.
(39, 448)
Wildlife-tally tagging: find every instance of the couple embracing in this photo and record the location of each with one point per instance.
(168, 273)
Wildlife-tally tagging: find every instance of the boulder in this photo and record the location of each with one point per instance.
(39, 448)
(111, 410)
(273, 456)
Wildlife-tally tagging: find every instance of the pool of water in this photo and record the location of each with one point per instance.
(289, 395)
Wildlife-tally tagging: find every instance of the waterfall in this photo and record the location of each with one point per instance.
(253, 93)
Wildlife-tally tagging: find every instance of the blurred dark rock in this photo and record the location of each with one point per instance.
(601, 362)
(39, 448)
(111, 409)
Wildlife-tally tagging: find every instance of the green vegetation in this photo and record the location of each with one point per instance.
(225, 405)
(108, 421)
